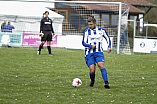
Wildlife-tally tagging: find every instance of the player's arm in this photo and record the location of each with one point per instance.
(54, 36)
(106, 36)
(41, 28)
(41, 25)
(84, 41)
(52, 28)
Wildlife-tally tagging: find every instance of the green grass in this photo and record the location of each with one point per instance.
(26, 78)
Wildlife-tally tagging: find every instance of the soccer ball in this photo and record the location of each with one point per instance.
(76, 82)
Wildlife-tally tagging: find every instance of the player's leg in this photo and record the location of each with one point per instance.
(49, 47)
(103, 73)
(40, 47)
(49, 39)
(90, 61)
(100, 63)
(43, 40)
(92, 74)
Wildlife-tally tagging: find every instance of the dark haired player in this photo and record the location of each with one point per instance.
(92, 41)
(46, 31)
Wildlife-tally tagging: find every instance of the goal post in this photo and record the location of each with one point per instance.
(119, 27)
(109, 15)
(123, 41)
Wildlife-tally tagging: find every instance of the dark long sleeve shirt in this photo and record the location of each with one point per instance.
(46, 25)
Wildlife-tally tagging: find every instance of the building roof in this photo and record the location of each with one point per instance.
(135, 10)
(132, 4)
(106, 8)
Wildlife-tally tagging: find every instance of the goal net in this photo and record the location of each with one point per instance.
(70, 18)
(112, 16)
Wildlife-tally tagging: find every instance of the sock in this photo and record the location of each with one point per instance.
(49, 49)
(92, 77)
(104, 75)
(40, 48)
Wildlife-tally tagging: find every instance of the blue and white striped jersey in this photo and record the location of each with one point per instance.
(95, 37)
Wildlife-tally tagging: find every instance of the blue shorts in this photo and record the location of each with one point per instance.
(91, 58)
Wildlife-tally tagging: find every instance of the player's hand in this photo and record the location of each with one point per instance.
(54, 36)
(41, 34)
(93, 46)
(109, 50)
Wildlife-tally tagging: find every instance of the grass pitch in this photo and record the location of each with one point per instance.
(26, 78)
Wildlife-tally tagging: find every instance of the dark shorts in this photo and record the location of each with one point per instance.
(47, 36)
(93, 58)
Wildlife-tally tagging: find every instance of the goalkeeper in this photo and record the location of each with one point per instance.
(46, 31)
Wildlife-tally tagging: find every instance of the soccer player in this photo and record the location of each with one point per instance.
(92, 41)
(46, 31)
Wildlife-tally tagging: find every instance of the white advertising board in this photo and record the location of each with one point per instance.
(145, 45)
(75, 42)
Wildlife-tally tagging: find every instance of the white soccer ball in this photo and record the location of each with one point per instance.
(76, 82)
